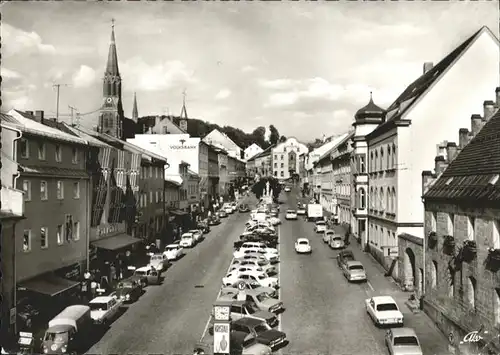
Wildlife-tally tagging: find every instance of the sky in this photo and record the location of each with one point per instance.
(305, 67)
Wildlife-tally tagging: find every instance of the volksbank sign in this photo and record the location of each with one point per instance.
(182, 145)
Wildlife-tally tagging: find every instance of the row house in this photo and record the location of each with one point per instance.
(216, 137)
(250, 168)
(52, 241)
(285, 158)
(395, 153)
(213, 171)
(236, 168)
(263, 163)
(224, 177)
(340, 158)
(461, 247)
(11, 213)
(252, 150)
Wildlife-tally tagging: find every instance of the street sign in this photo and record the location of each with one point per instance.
(241, 285)
(221, 338)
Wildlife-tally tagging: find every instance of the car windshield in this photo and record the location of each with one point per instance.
(337, 239)
(170, 248)
(186, 237)
(387, 307)
(251, 309)
(262, 277)
(57, 337)
(156, 258)
(140, 273)
(356, 267)
(320, 223)
(290, 211)
(303, 242)
(98, 306)
(405, 341)
(261, 297)
(125, 285)
(194, 232)
(261, 328)
(254, 284)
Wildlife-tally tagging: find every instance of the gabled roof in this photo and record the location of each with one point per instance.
(421, 85)
(332, 145)
(27, 124)
(214, 131)
(90, 140)
(264, 153)
(474, 174)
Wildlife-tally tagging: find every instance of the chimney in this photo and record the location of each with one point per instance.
(440, 165)
(497, 95)
(428, 66)
(489, 110)
(39, 116)
(451, 151)
(427, 179)
(476, 124)
(29, 113)
(463, 137)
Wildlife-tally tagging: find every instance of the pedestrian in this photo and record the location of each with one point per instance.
(93, 288)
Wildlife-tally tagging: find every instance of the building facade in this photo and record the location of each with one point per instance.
(220, 138)
(462, 239)
(285, 158)
(213, 171)
(224, 176)
(11, 212)
(396, 155)
(250, 168)
(340, 158)
(263, 165)
(325, 181)
(252, 151)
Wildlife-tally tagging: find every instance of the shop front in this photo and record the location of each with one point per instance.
(179, 221)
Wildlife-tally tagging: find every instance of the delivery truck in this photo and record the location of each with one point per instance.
(314, 212)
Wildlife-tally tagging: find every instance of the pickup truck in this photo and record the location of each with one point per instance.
(344, 256)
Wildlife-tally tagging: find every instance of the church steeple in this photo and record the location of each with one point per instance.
(111, 115)
(184, 115)
(135, 112)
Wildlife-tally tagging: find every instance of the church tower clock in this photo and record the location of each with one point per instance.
(111, 114)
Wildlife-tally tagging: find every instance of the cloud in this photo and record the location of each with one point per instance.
(84, 77)
(223, 94)
(9, 74)
(277, 84)
(396, 52)
(140, 75)
(248, 69)
(15, 41)
(369, 30)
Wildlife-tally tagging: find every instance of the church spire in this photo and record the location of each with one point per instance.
(184, 114)
(112, 65)
(135, 113)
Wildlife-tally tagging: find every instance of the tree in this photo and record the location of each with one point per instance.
(282, 139)
(274, 135)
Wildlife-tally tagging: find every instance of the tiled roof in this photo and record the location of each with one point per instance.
(333, 144)
(175, 179)
(264, 153)
(419, 87)
(468, 176)
(26, 123)
(53, 171)
(90, 140)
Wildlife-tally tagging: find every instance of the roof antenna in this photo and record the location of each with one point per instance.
(371, 97)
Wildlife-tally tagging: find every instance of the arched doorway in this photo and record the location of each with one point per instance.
(409, 270)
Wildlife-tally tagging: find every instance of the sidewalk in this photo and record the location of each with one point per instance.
(432, 340)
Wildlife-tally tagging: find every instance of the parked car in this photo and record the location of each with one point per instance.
(261, 330)
(204, 226)
(402, 341)
(274, 212)
(244, 208)
(288, 189)
(291, 215)
(242, 343)
(214, 220)
(354, 271)
(151, 275)
(249, 285)
(159, 262)
(128, 290)
(344, 256)
(264, 301)
(197, 234)
(222, 214)
(336, 242)
(301, 211)
(264, 264)
(104, 308)
(383, 310)
(327, 235)
(320, 226)
(187, 240)
(302, 246)
(234, 206)
(262, 278)
(173, 251)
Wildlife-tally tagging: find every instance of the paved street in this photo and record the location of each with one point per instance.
(325, 314)
(170, 318)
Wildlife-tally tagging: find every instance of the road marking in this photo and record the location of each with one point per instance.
(370, 286)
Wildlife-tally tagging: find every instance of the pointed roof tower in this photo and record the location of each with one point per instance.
(135, 112)
(112, 65)
(370, 113)
(184, 114)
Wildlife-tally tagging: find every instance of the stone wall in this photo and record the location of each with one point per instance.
(411, 263)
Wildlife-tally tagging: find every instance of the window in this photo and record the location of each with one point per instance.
(44, 241)
(375, 162)
(382, 199)
(371, 169)
(150, 171)
(388, 203)
(362, 198)
(362, 165)
(451, 223)
(68, 228)
(41, 151)
(451, 277)
(382, 161)
(393, 197)
(27, 190)
(60, 190)
(76, 231)
(281, 157)
(27, 240)
(394, 156)
(471, 292)
(275, 173)
(76, 190)
(496, 297)
(150, 196)
(389, 162)
(282, 174)
(372, 200)
(471, 222)
(43, 191)
(275, 157)
(59, 233)
(58, 153)
(275, 165)
(24, 148)
(434, 274)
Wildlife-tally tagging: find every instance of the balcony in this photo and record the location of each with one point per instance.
(12, 201)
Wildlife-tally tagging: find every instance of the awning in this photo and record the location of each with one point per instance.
(116, 242)
(178, 212)
(50, 285)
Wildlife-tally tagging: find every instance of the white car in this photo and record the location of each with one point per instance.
(187, 240)
(234, 206)
(287, 189)
(173, 251)
(230, 278)
(320, 227)
(264, 264)
(263, 279)
(384, 311)
(197, 234)
(302, 246)
(291, 215)
(239, 269)
(327, 235)
(104, 308)
(274, 221)
(259, 245)
(273, 257)
(402, 341)
(159, 262)
(301, 211)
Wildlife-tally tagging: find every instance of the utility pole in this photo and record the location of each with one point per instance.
(58, 86)
(72, 111)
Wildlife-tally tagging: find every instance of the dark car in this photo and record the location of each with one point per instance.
(244, 343)
(261, 330)
(344, 256)
(214, 220)
(204, 226)
(222, 214)
(128, 290)
(243, 208)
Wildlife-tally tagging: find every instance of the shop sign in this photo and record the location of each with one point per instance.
(107, 229)
(183, 146)
(192, 197)
(70, 272)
